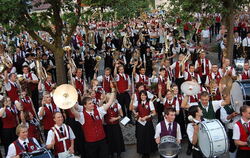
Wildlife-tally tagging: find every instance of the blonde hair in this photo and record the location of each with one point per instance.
(19, 127)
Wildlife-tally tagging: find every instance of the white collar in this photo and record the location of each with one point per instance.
(167, 122)
(242, 121)
(22, 141)
(171, 101)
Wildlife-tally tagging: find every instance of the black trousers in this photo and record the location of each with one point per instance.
(8, 137)
(242, 153)
(97, 149)
(196, 154)
(232, 146)
(45, 133)
(203, 79)
(124, 100)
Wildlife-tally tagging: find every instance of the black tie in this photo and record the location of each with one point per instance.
(202, 65)
(50, 108)
(143, 105)
(61, 130)
(169, 127)
(25, 146)
(92, 116)
(12, 111)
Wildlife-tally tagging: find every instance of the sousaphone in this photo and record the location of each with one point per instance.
(65, 96)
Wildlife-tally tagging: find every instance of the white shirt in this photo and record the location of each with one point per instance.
(173, 67)
(47, 105)
(223, 116)
(12, 148)
(236, 130)
(126, 77)
(204, 62)
(150, 96)
(228, 69)
(158, 129)
(151, 105)
(190, 130)
(8, 85)
(51, 134)
(246, 42)
(192, 75)
(216, 105)
(205, 33)
(177, 104)
(100, 110)
(33, 76)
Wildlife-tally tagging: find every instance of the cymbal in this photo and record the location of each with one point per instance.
(190, 88)
(65, 96)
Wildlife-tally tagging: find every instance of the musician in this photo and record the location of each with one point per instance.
(113, 129)
(123, 87)
(214, 75)
(23, 143)
(31, 81)
(47, 86)
(9, 119)
(246, 72)
(29, 62)
(27, 103)
(183, 48)
(203, 66)
(46, 111)
(188, 75)
(141, 77)
(18, 60)
(60, 137)
(108, 59)
(193, 130)
(169, 101)
(237, 44)
(32, 124)
(79, 83)
(241, 132)
(168, 127)
(90, 64)
(214, 90)
(91, 121)
(48, 64)
(105, 80)
(246, 45)
(149, 62)
(227, 69)
(11, 86)
(228, 116)
(144, 111)
(179, 68)
(208, 107)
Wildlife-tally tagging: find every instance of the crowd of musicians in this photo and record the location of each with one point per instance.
(144, 68)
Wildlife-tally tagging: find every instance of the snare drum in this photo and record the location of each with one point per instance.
(168, 147)
(240, 94)
(212, 138)
(41, 153)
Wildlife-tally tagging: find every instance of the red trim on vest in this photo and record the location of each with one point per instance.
(163, 85)
(13, 93)
(48, 121)
(106, 84)
(144, 110)
(59, 144)
(206, 64)
(112, 112)
(122, 84)
(20, 149)
(48, 87)
(27, 105)
(10, 120)
(173, 104)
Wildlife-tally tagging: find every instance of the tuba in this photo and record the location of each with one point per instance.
(91, 39)
(6, 60)
(185, 59)
(41, 72)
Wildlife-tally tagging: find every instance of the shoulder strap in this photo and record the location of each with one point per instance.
(244, 127)
(19, 145)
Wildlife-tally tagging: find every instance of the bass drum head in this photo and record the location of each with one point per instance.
(212, 138)
(236, 95)
(168, 147)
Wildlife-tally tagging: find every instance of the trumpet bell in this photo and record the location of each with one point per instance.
(190, 88)
(65, 96)
(2, 68)
(98, 58)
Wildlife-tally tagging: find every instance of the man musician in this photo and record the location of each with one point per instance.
(241, 132)
(246, 46)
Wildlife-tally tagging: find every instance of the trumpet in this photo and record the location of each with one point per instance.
(98, 59)
(41, 72)
(6, 62)
(185, 59)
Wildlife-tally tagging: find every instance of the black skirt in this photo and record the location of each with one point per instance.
(145, 138)
(114, 138)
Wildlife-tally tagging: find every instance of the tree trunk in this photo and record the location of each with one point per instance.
(60, 68)
(229, 22)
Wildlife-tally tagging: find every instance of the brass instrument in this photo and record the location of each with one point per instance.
(41, 72)
(71, 63)
(225, 85)
(168, 84)
(126, 42)
(91, 39)
(141, 39)
(167, 43)
(185, 59)
(6, 62)
(98, 59)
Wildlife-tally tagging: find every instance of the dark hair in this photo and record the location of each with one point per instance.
(204, 94)
(168, 110)
(191, 65)
(243, 109)
(193, 110)
(162, 69)
(54, 115)
(139, 84)
(85, 100)
(143, 92)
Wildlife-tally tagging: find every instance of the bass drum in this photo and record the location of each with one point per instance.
(169, 148)
(212, 138)
(240, 94)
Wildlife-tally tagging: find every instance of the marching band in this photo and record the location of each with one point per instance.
(161, 82)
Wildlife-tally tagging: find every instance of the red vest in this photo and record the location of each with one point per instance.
(13, 93)
(93, 128)
(27, 105)
(20, 149)
(144, 110)
(79, 86)
(217, 94)
(192, 99)
(163, 85)
(217, 77)
(112, 112)
(106, 84)
(144, 81)
(177, 69)
(48, 87)
(243, 135)
(10, 121)
(33, 131)
(122, 84)
(69, 113)
(179, 97)
(59, 144)
(206, 64)
(32, 86)
(173, 104)
(189, 78)
(48, 121)
(244, 76)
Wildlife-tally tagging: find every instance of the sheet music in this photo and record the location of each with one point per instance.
(125, 120)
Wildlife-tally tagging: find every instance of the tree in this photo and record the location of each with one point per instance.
(227, 8)
(59, 19)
